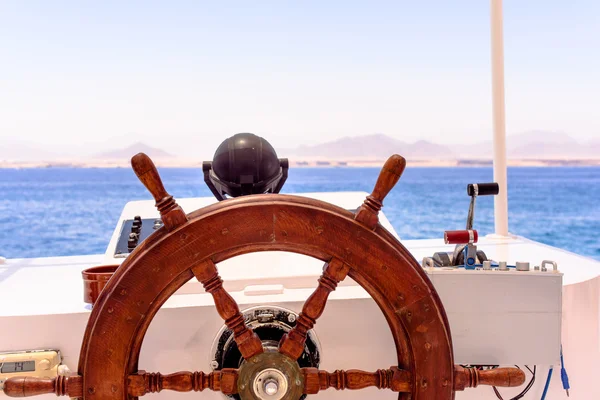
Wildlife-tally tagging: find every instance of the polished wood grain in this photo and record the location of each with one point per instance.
(501, 377)
(292, 343)
(394, 379)
(171, 214)
(143, 382)
(367, 214)
(248, 342)
(28, 386)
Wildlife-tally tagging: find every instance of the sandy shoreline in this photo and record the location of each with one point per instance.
(181, 163)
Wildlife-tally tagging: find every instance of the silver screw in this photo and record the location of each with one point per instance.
(291, 318)
(298, 383)
(214, 364)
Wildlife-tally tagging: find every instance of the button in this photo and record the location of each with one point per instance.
(522, 266)
(502, 266)
(487, 264)
(44, 365)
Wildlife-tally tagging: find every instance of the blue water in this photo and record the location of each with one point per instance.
(65, 211)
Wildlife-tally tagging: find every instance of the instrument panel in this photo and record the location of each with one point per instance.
(36, 363)
(133, 232)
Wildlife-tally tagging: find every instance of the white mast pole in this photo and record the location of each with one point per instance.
(501, 200)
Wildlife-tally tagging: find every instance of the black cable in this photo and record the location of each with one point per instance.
(529, 369)
(497, 393)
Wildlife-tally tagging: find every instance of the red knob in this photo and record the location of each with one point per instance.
(461, 237)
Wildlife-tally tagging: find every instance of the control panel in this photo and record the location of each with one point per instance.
(133, 232)
(484, 299)
(139, 219)
(36, 363)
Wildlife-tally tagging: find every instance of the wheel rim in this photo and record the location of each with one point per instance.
(386, 270)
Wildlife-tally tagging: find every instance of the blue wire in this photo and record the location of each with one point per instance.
(547, 383)
(563, 373)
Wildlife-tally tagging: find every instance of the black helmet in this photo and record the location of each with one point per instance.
(245, 164)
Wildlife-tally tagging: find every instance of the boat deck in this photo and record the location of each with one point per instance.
(42, 289)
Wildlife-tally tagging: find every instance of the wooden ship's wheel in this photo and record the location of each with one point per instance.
(189, 246)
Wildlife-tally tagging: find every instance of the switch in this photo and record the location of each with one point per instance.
(132, 241)
(136, 228)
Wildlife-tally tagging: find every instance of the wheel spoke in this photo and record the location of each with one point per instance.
(501, 377)
(144, 382)
(248, 342)
(394, 379)
(26, 386)
(292, 344)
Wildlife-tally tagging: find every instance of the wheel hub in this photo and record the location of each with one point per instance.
(270, 384)
(270, 376)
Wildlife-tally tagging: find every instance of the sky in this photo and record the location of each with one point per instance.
(81, 77)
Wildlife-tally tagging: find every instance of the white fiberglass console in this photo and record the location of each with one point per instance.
(496, 317)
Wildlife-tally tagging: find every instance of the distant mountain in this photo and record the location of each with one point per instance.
(537, 144)
(428, 150)
(533, 145)
(375, 146)
(132, 150)
(540, 136)
(346, 147)
(527, 145)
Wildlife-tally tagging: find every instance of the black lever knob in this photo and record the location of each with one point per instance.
(483, 189)
(132, 241)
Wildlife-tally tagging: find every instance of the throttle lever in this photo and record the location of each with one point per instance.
(479, 189)
(473, 190)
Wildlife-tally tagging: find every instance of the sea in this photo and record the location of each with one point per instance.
(73, 211)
